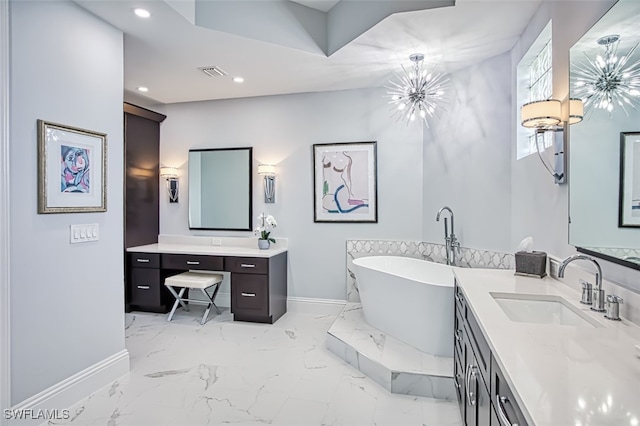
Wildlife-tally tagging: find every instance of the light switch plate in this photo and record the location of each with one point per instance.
(84, 233)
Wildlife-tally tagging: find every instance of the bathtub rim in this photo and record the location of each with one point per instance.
(358, 262)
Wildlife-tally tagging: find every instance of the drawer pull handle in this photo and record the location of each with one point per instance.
(143, 287)
(455, 381)
(500, 401)
(459, 298)
(247, 265)
(142, 260)
(248, 294)
(192, 262)
(471, 395)
(459, 335)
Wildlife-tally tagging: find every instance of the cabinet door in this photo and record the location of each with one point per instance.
(483, 402)
(470, 384)
(458, 380)
(504, 401)
(477, 400)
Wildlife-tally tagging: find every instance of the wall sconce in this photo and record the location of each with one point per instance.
(171, 175)
(269, 173)
(546, 116)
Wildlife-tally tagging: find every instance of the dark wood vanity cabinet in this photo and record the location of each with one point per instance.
(146, 290)
(141, 191)
(478, 380)
(258, 288)
(258, 285)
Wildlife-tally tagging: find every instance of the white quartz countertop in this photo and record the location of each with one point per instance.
(560, 375)
(208, 250)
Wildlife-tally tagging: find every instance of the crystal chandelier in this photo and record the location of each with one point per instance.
(417, 92)
(609, 81)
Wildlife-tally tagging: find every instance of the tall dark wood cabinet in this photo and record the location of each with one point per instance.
(141, 181)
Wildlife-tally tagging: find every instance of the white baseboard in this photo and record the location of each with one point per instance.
(71, 390)
(314, 306)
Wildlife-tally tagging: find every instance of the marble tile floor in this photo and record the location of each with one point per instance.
(396, 366)
(225, 372)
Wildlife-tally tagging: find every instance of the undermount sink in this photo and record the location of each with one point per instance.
(542, 309)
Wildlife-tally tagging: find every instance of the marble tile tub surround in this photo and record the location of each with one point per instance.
(224, 372)
(394, 365)
(470, 258)
(582, 270)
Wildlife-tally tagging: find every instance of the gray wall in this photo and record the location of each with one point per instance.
(466, 159)
(66, 300)
(282, 130)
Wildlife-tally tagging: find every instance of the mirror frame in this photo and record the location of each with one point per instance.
(617, 260)
(250, 221)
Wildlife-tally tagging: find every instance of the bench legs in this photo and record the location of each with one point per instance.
(180, 301)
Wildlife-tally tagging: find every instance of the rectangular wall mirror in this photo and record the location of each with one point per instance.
(601, 201)
(220, 189)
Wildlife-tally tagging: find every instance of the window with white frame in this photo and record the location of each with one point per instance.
(535, 83)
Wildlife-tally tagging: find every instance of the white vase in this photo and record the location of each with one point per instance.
(263, 244)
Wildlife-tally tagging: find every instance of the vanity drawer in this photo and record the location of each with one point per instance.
(459, 298)
(247, 265)
(479, 345)
(458, 327)
(185, 262)
(144, 260)
(458, 380)
(250, 294)
(145, 287)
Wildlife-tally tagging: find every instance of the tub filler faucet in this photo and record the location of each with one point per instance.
(450, 241)
(597, 301)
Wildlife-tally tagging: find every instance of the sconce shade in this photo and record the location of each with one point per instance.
(576, 110)
(168, 172)
(266, 169)
(541, 114)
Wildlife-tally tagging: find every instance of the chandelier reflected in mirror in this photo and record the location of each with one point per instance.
(417, 92)
(609, 81)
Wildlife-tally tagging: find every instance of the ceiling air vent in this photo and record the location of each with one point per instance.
(213, 71)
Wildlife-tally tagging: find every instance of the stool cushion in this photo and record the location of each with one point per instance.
(193, 280)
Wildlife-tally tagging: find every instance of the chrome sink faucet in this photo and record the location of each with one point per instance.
(598, 300)
(450, 241)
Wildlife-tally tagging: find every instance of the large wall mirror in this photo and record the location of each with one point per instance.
(220, 190)
(604, 155)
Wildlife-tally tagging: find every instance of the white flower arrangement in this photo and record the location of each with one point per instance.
(262, 231)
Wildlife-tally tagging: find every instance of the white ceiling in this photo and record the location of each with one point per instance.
(164, 51)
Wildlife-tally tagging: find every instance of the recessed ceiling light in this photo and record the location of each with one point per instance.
(238, 79)
(143, 13)
(143, 89)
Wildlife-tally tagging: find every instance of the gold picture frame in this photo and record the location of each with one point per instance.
(72, 169)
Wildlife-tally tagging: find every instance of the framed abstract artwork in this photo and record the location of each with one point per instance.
(629, 206)
(72, 169)
(345, 182)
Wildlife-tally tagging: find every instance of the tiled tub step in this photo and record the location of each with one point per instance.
(394, 365)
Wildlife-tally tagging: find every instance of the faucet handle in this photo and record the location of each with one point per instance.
(613, 307)
(587, 292)
(612, 298)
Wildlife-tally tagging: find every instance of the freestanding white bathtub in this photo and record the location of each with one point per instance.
(409, 299)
